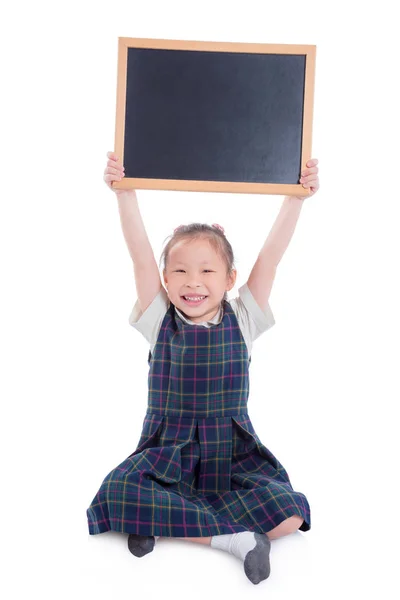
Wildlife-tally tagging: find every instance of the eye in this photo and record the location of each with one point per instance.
(182, 270)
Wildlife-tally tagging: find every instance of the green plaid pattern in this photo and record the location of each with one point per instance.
(200, 468)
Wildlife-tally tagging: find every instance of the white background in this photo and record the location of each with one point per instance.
(324, 387)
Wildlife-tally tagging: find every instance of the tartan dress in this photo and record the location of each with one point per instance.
(199, 468)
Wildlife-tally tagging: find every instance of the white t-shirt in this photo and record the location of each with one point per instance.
(252, 320)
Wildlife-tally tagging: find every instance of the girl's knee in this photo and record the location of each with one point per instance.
(287, 526)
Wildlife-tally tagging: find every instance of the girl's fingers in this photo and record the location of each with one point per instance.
(113, 170)
(117, 171)
(312, 162)
(309, 176)
(112, 155)
(110, 177)
(310, 182)
(306, 172)
(113, 160)
(306, 178)
(112, 164)
(312, 167)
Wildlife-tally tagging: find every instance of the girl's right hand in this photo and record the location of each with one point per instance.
(113, 172)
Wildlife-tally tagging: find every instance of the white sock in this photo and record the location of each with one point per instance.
(156, 537)
(252, 548)
(238, 544)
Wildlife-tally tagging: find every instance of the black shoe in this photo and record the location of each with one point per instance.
(140, 545)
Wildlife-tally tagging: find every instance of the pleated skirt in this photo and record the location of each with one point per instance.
(196, 477)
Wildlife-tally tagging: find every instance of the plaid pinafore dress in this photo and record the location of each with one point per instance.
(199, 468)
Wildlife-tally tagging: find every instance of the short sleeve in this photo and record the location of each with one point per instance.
(253, 321)
(149, 322)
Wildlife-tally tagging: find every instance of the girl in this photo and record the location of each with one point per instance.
(200, 471)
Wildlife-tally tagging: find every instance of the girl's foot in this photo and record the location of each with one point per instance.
(252, 548)
(140, 545)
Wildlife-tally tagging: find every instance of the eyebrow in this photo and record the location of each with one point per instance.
(203, 262)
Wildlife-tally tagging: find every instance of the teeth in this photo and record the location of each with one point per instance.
(194, 297)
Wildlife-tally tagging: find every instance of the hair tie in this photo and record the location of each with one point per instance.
(219, 227)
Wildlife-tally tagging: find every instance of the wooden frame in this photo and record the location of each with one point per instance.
(215, 186)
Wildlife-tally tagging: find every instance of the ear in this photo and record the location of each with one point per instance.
(231, 280)
(165, 277)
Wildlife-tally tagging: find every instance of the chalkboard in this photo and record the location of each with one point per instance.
(214, 116)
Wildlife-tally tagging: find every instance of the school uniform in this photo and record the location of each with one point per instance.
(200, 468)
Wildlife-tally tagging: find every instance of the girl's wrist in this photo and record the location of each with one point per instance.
(125, 194)
(296, 198)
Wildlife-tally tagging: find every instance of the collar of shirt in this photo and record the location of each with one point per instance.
(214, 321)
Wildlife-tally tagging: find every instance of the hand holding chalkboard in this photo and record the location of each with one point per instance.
(309, 177)
(114, 171)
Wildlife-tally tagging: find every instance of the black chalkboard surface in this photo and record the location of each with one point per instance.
(207, 116)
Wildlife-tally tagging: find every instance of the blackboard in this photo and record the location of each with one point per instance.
(214, 116)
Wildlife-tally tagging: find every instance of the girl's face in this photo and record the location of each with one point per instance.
(195, 269)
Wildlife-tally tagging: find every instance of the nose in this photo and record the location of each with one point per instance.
(192, 281)
(192, 284)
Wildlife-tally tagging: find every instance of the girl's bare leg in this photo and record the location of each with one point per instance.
(199, 540)
(288, 526)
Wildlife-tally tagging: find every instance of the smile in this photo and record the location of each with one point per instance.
(193, 300)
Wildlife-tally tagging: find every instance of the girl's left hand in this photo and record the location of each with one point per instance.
(309, 177)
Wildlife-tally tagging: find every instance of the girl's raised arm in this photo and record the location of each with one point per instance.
(147, 276)
(263, 273)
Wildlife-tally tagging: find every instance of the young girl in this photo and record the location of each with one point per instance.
(200, 471)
